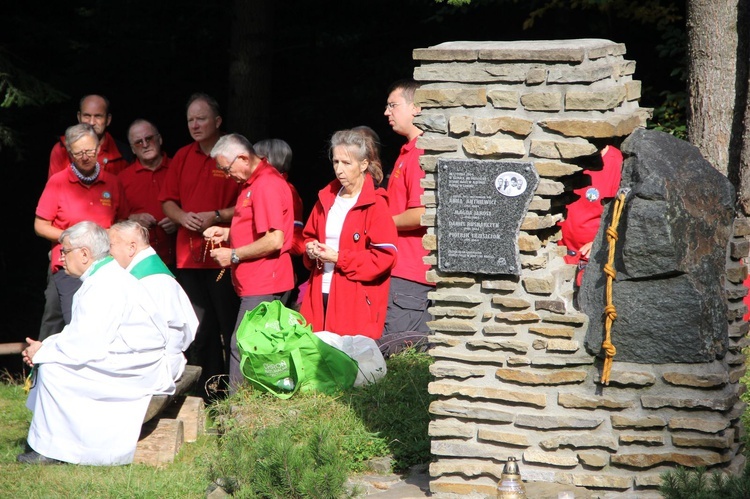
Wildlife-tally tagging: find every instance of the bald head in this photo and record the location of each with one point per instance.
(127, 239)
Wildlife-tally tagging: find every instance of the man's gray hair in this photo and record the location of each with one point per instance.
(88, 235)
(231, 145)
(142, 121)
(76, 132)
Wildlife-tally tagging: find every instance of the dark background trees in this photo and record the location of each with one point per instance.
(297, 70)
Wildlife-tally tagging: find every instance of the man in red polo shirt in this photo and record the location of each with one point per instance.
(584, 215)
(142, 182)
(407, 301)
(260, 237)
(196, 195)
(83, 192)
(113, 156)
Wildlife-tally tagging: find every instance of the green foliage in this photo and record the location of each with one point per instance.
(398, 407)
(306, 446)
(455, 3)
(670, 116)
(683, 483)
(275, 465)
(645, 12)
(19, 89)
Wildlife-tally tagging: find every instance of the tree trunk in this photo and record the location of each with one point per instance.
(250, 58)
(743, 71)
(715, 110)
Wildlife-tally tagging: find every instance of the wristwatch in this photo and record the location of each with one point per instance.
(218, 215)
(235, 259)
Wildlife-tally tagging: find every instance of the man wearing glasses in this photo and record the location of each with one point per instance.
(94, 380)
(407, 301)
(142, 182)
(260, 237)
(112, 155)
(83, 191)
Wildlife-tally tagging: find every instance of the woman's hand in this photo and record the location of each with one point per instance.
(311, 250)
(321, 252)
(326, 254)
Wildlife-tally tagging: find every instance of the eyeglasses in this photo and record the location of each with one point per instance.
(64, 252)
(89, 153)
(226, 169)
(144, 141)
(391, 106)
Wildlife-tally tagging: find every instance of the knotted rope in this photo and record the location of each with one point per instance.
(610, 312)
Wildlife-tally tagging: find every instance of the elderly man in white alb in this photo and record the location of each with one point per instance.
(94, 380)
(129, 245)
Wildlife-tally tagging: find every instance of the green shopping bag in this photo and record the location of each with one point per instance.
(280, 354)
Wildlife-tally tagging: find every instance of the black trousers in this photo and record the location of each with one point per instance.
(216, 305)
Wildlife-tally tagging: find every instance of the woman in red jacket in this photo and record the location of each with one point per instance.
(350, 243)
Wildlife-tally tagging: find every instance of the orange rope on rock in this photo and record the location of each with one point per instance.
(610, 311)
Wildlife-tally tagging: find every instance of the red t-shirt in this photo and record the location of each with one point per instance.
(196, 185)
(264, 203)
(584, 214)
(142, 187)
(109, 157)
(404, 192)
(66, 201)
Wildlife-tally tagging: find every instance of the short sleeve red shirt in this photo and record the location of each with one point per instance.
(65, 201)
(195, 184)
(142, 187)
(264, 203)
(109, 157)
(584, 214)
(404, 192)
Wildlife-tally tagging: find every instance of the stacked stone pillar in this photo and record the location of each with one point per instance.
(511, 376)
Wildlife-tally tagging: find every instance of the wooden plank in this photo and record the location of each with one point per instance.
(191, 411)
(184, 384)
(160, 441)
(11, 348)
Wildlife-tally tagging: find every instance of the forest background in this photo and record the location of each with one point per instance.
(295, 69)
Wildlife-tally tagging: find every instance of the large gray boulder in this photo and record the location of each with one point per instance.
(670, 257)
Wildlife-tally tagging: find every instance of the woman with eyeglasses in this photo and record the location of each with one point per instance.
(82, 191)
(350, 243)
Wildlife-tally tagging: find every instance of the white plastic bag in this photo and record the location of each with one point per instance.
(364, 350)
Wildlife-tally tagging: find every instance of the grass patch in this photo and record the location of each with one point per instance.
(397, 408)
(304, 447)
(272, 444)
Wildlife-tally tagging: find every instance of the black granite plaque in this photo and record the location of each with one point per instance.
(481, 204)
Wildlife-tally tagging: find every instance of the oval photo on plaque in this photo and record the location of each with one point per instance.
(510, 184)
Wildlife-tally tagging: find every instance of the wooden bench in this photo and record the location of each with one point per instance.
(170, 421)
(182, 386)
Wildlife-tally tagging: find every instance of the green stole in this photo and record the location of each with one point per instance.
(150, 265)
(101, 263)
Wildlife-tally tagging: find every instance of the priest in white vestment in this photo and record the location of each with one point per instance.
(94, 380)
(129, 245)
